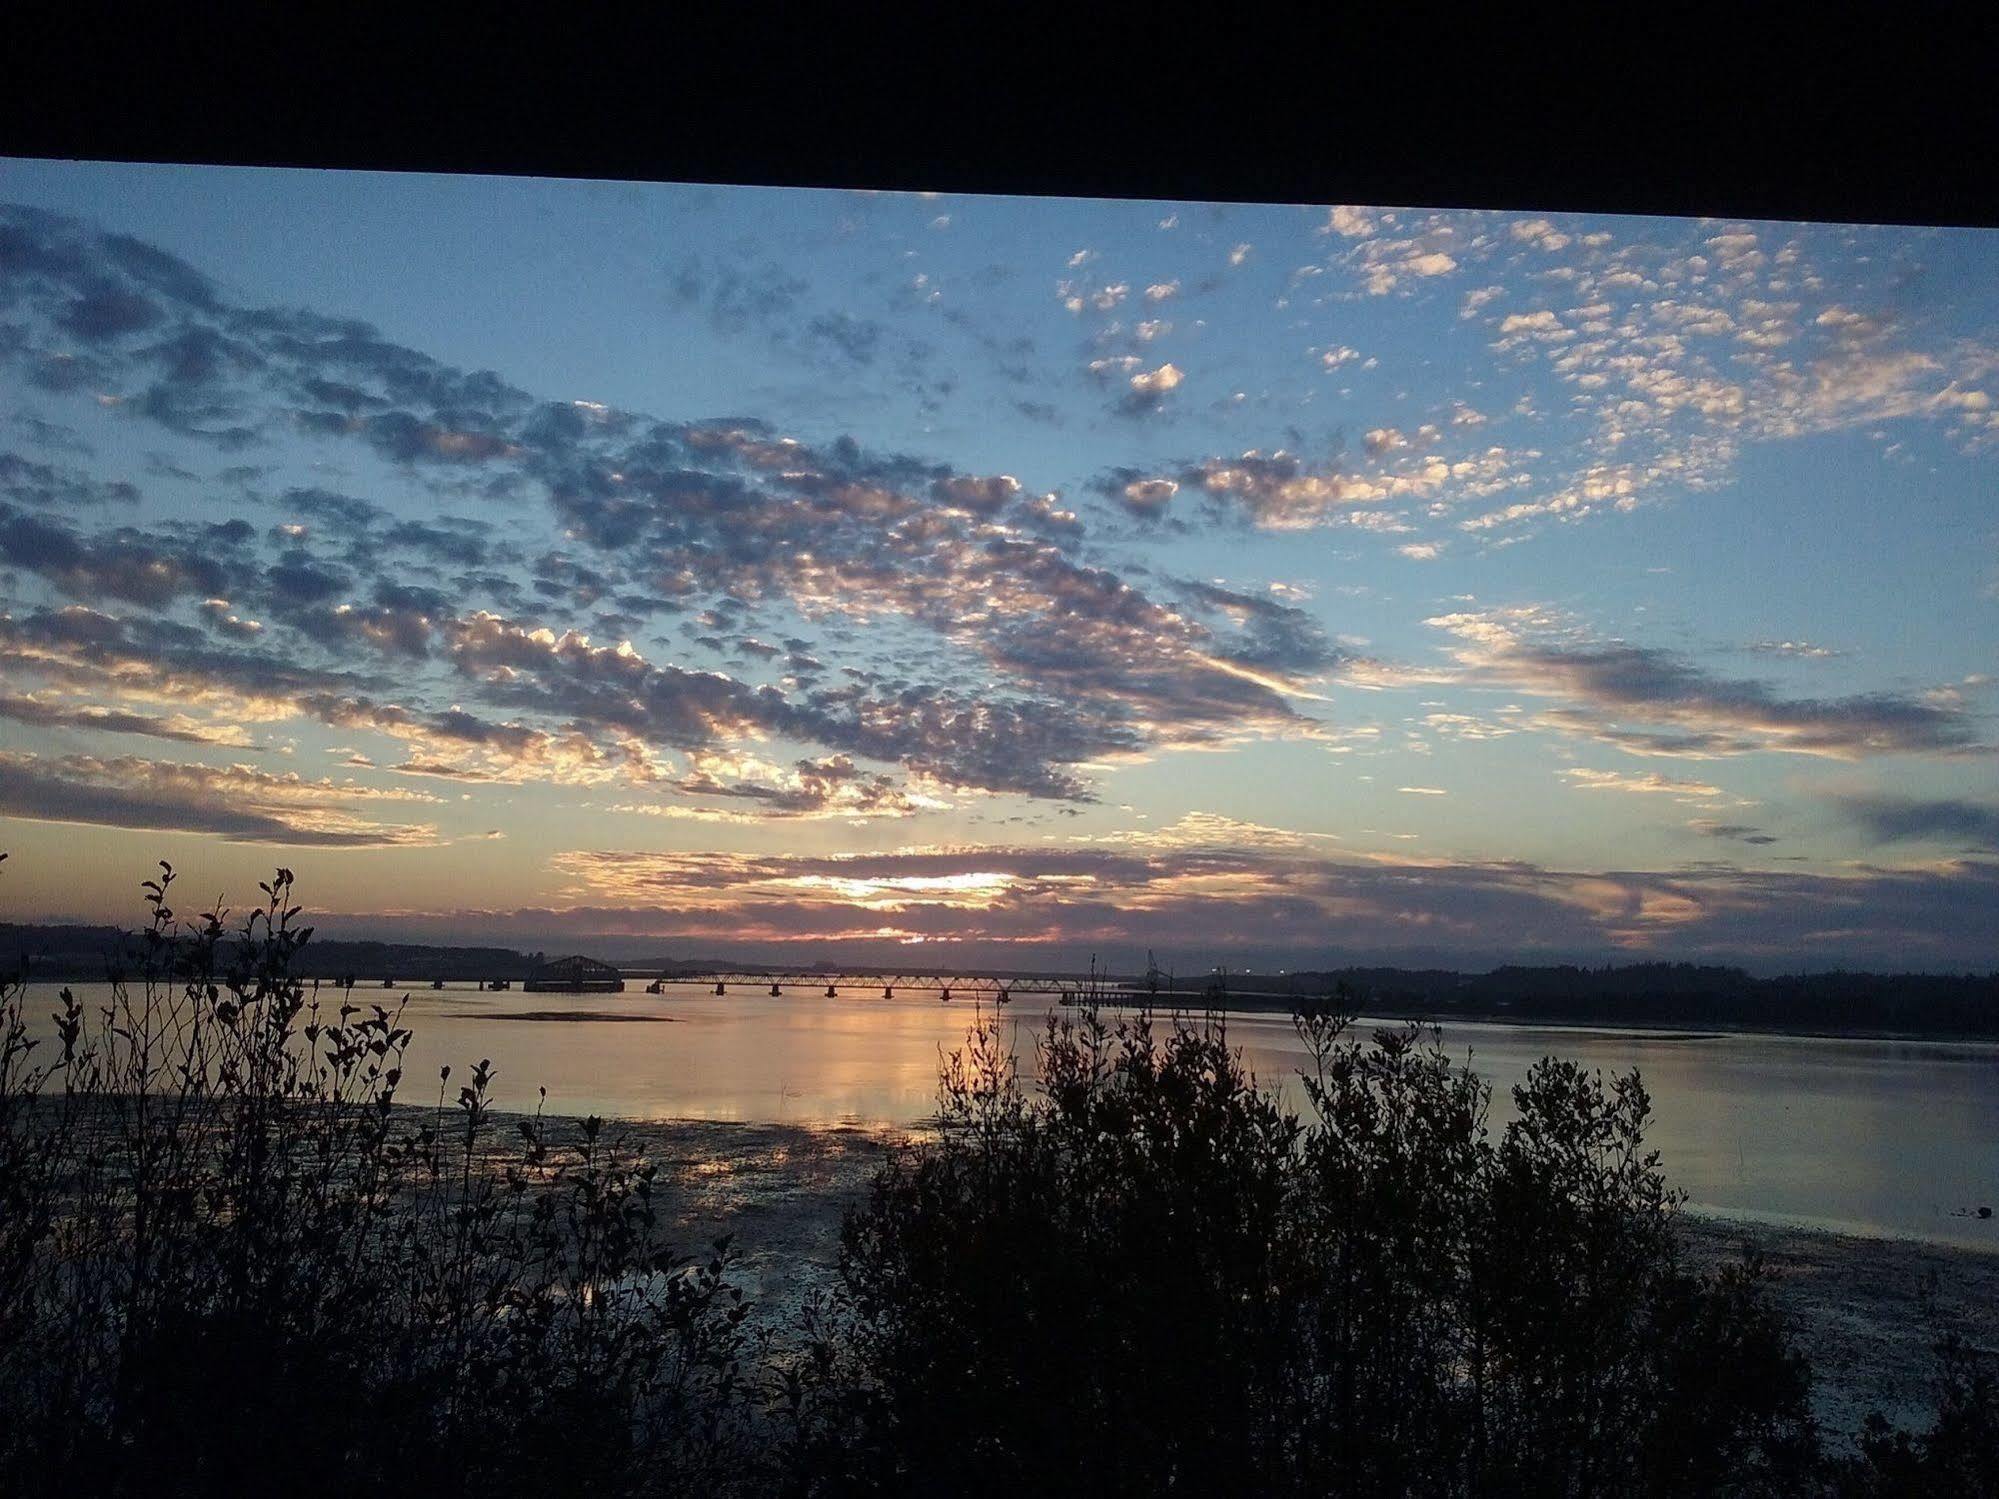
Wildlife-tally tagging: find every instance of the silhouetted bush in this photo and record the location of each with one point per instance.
(229, 1264)
(1153, 1278)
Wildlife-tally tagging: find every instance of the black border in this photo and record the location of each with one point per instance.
(1883, 119)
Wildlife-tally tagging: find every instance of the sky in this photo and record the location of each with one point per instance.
(820, 574)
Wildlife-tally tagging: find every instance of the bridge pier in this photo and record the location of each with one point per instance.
(947, 996)
(888, 992)
(720, 989)
(829, 992)
(774, 991)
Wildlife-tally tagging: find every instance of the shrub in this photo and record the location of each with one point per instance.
(1152, 1278)
(230, 1263)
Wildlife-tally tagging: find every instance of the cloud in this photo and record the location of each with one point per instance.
(1211, 830)
(1248, 890)
(1539, 233)
(1388, 263)
(1958, 823)
(982, 742)
(832, 786)
(45, 486)
(1078, 297)
(43, 713)
(1282, 491)
(1679, 349)
(158, 661)
(1649, 701)
(735, 299)
(1145, 498)
(968, 575)
(122, 565)
(1270, 634)
(1650, 783)
(228, 622)
(1348, 221)
(856, 341)
(1149, 387)
(1739, 832)
(464, 746)
(1478, 298)
(1542, 325)
(237, 803)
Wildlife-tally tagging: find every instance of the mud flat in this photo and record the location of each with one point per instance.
(1857, 1303)
(1858, 1306)
(779, 1189)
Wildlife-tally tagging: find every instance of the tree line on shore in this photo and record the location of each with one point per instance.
(1680, 994)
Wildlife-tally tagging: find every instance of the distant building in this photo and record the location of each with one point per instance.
(575, 975)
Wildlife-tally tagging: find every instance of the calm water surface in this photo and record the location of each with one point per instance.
(1870, 1137)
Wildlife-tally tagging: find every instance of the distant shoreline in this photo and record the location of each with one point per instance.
(1664, 1029)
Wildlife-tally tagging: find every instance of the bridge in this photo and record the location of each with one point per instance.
(994, 989)
(998, 989)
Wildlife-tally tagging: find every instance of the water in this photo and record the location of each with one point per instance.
(1869, 1137)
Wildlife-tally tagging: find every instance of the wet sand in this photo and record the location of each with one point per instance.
(1856, 1302)
(778, 1189)
(1858, 1307)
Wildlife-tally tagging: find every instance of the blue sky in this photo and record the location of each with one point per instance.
(773, 570)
